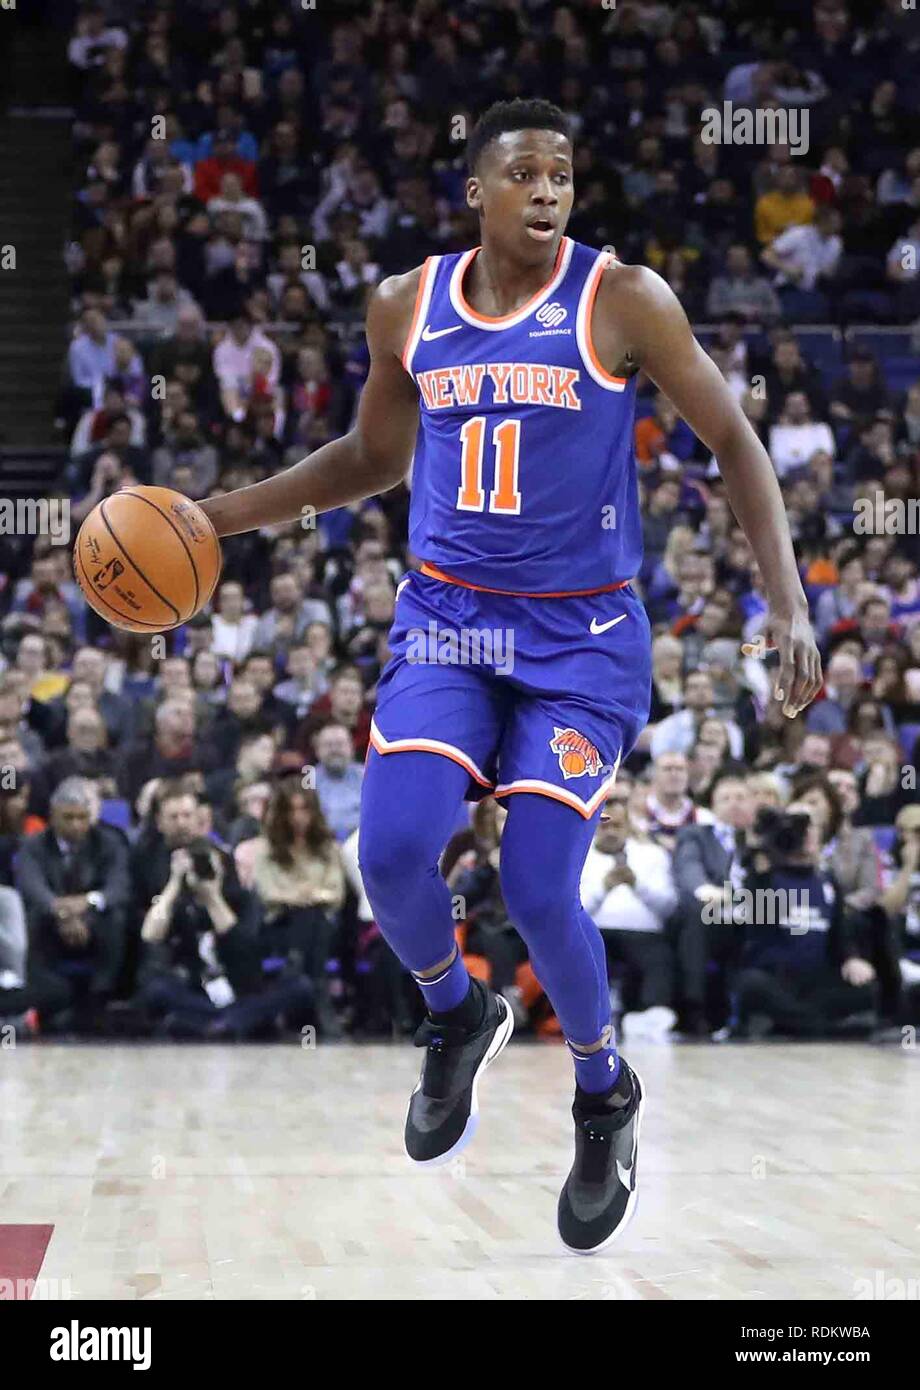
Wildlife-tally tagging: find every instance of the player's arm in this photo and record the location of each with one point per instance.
(637, 310)
(373, 457)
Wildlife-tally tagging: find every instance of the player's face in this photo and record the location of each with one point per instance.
(523, 192)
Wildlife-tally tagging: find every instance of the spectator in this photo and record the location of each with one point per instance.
(627, 887)
(234, 629)
(175, 749)
(342, 704)
(796, 437)
(802, 970)
(803, 256)
(678, 732)
(199, 966)
(298, 875)
(786, 205)
(338, 779)
(741, 290)
(290, 614)
(708, 870)
(73, 878)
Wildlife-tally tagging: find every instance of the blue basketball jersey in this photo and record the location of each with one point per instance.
(524, 476)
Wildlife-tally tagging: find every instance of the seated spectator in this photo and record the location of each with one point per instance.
(804, 257)
(741, 290)
(297, 872)
(95, 423)
(233, 199)
(241, 715)
(13, 725)
(159, 312)
(73, 879)
(678, 733)
(796, 436)
(667, 679)
(786, 205)
(233, 363)
(290, 614)
(882, 788)
(234, 629)
(342, 704)
(708, 867)
(199, 970)
(840, 601)
(184, 447)
(175, 749)
(222, 159)
(255, 759)
(787, 372)
(338, 778)
(843, 685)
(665, 806)
(86, 756)
(91, 358)
(628, 889)
(861, 395)
(663, 439)
(304, 681)
(802, 970)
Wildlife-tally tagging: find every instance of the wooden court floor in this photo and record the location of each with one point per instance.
(262, 1172)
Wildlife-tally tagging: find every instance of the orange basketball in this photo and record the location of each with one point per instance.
(573, 762)
(147, 559)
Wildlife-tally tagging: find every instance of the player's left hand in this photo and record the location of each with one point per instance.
(799, 677)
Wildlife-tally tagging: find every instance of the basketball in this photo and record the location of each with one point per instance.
(147, 559)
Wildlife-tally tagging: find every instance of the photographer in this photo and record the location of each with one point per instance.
(200, 973)
(802, 969)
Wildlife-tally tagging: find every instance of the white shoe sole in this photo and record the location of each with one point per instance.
(633, 1197)
(496, 1047)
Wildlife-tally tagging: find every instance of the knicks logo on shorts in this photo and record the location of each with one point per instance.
(578, 757)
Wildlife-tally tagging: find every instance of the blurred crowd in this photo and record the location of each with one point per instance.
(177, 832)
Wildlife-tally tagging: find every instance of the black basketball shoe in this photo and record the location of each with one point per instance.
(599, 1195)
(443, 1109)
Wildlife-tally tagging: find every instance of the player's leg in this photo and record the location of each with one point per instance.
(409, 807)
(557, 762)
(437, 727)
(544, 846)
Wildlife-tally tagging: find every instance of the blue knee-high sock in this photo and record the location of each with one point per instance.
(543, 851)
(409, 806)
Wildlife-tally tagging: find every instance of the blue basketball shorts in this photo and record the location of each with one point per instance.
(544, 695)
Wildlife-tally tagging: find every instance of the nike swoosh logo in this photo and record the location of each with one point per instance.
(627, 1176)
(597, 627)
(428, 336)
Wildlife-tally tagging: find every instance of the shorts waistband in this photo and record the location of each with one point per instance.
(435, 573)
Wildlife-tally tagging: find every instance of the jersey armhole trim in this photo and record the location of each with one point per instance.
(420, 311)
(583, 326)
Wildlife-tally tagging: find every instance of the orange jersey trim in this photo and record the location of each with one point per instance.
(434, 573)
(419, 298)
(535, 789)
(589, 341)
(427, 745)
(500, 318)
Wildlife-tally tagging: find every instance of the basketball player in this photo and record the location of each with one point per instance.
(504, 375)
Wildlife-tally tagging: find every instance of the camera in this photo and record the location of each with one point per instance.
(200, 855)
(781, 835)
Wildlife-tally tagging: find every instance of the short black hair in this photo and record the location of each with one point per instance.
(502, 116)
